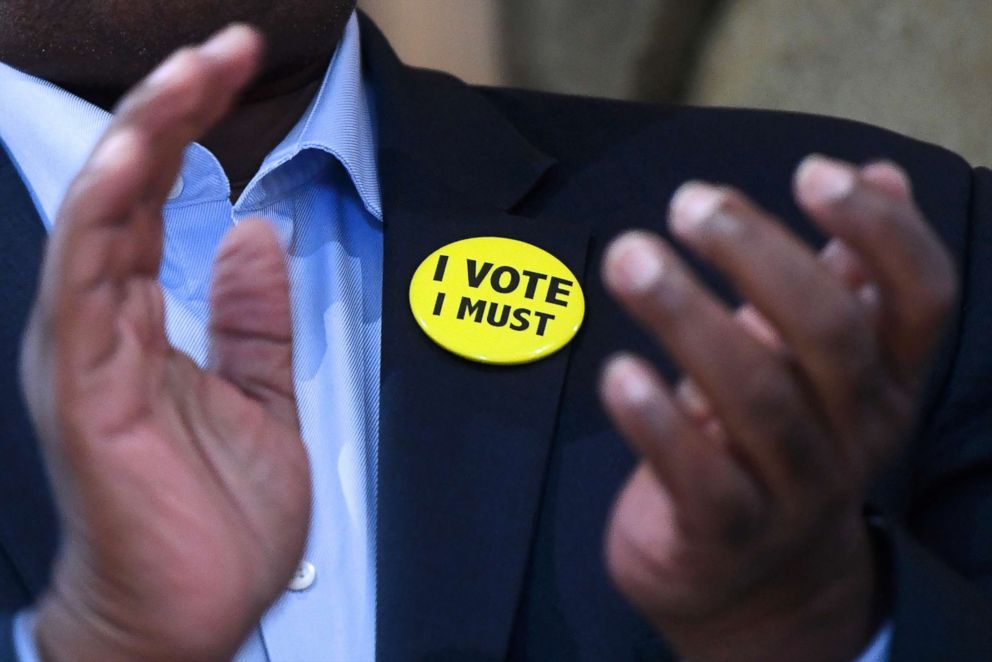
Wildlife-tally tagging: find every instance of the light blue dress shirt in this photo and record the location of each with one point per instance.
(320, 190)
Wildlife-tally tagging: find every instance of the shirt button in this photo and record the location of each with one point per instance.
(304, 577)
(176, 190)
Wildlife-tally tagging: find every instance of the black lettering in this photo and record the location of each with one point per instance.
(442, 264)
(497, 279)
(542, 325)
(556, 287)
(438, 303)
(533, 278)
(522, 317)
(470, 307)
(475, 278)
(493, 307)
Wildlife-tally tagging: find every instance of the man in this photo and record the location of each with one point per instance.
(204, 429)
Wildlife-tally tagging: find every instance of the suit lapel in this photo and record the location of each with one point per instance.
(463, 446)
(28, 528)
(462, 456)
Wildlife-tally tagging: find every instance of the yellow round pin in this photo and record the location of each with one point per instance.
(497, 300)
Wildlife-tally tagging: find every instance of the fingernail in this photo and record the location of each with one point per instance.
(693, 204)
(890, 175)
(824, 180)
(168, 71)
(112, 151)
(227, 42)
(635, 265)
(630, 382)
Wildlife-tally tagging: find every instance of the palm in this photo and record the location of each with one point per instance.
(185, 493)
(207, 482)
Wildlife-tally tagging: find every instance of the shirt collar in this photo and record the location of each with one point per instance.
(50, 133)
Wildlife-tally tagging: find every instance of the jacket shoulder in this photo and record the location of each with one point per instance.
(573, 128)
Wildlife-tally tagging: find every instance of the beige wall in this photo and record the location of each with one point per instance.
(921, 67)
(460, 36)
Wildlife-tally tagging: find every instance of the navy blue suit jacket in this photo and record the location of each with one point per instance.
(495, 483)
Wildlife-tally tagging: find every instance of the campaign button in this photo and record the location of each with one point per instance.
(497, 300)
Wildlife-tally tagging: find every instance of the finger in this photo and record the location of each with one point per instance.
(713, 496)
(887, 177)
(143, 146)
(693, 401)
(752, 392)
(839, 260)
(845, 264)
(759, 327)
(250, 323)
(823, 325)
(914, 273)
(109, 227)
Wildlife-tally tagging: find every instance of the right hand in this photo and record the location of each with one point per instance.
(184, 493)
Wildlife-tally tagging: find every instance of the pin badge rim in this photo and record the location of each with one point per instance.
(535, 355)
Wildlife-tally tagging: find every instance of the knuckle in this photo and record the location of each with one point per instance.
(774, 409)
(767, 392)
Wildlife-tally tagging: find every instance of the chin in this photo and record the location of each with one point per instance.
(102, 49)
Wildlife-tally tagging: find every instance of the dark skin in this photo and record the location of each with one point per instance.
(739, 536)
(99, 50)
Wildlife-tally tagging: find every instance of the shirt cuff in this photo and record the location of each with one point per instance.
(878, 649)
(24, 642)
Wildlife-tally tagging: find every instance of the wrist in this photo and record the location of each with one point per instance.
(63, 633)
(824, 605)
(68, 631)
(84, 617)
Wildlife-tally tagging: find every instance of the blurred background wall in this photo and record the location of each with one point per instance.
(920, 67)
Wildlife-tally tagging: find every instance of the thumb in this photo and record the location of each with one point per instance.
(251, 342)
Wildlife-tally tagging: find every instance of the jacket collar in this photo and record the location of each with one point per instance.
(446, 132)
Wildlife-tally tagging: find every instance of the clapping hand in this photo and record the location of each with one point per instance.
(184, 492)
(740, 535)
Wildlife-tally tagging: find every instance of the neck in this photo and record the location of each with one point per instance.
(255, 125)
(260, 121)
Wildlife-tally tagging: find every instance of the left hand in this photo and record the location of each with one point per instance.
(740, 535)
